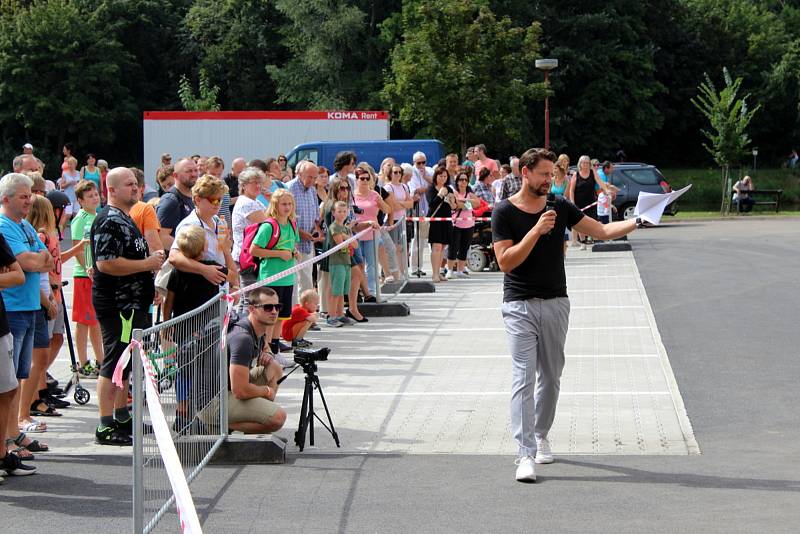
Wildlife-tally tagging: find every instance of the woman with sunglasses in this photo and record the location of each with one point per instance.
(272, 173)
(207, 195)
(582, 190)
(402, 200)
(286, 172)
(463, 227)
(441, 202)
(369, 202)
(387, 256)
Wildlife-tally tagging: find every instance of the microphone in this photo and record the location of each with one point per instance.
(550, 205)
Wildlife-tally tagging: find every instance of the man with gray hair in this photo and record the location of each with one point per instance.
(22, 302)
(307, 206)
(421, 179)
(25, 163)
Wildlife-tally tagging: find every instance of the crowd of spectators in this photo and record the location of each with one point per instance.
(202, 229)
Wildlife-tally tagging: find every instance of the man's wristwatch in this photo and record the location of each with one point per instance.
(639, 222)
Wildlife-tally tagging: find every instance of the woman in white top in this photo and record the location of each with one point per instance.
(69, 178)
(247, 210)
(401, 201)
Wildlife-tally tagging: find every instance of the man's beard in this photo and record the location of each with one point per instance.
(540, 191)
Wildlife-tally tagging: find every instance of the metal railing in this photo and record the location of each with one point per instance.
(191, 375)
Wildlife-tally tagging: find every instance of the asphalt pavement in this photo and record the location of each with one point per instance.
(724, 297)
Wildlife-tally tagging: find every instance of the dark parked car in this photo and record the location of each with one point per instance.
(631, 178)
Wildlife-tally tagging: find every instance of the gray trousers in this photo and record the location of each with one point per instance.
(537, 331)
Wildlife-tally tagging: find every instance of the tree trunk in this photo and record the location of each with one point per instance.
(724, 204)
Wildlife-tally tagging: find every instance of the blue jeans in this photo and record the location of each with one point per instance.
(370, 258)
(22, 325)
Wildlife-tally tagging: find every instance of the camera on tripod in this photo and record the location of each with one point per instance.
(309, 356)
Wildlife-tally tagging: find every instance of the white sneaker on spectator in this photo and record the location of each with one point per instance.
(449, 275)
(525, 469)
(465, 273)
(544, 455)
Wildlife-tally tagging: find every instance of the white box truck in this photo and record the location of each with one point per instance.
(251, 134)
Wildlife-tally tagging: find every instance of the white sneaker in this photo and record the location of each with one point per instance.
(449, 275)
(543, 453)
(525, 469)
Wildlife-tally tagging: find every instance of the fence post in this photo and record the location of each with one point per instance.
(223, 372)
(138, 444)
(375, 267)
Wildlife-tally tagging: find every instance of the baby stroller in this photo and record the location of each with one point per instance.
(481, 253)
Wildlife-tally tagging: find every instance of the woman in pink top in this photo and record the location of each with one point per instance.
(402, 200)
(463, 226)
(369, 202)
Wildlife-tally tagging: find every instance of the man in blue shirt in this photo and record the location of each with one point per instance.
(307, 206)
(21, 302)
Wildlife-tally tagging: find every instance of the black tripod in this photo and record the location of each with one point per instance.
(307, 413)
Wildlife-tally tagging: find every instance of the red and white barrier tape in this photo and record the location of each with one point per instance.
(443, 219)
(589, 206)
(187, 514)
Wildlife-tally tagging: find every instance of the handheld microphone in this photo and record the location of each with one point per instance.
(550, 205)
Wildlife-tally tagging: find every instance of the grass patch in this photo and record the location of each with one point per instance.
(706, 186)
(690, 214)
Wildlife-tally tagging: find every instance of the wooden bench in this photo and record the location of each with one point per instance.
(774, 196)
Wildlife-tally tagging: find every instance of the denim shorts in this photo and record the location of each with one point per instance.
(22, 325)
(41, 335)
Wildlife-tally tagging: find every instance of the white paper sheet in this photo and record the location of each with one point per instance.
(650, 206)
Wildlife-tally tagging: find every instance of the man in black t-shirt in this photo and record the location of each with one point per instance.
(122, 292)
(251, 397)
(177, 203)
(528, 234)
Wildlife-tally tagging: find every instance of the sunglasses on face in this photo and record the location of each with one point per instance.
(268, 307)
(363, 178)
(214, 201)
(420, 163)
(462, 180)
(397, 172)
(344, 188)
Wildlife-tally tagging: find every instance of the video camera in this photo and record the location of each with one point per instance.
(309, 356)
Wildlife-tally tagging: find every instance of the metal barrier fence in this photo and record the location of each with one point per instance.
(192, 382)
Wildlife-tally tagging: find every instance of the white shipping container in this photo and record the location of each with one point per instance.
(251, 134)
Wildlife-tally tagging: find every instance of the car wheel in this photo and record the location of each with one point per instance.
(476, 260)
(627, 211)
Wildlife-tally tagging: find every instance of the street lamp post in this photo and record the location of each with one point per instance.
(755, 155)
(546, 65)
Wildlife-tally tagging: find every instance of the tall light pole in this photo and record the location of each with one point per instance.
(546, 65)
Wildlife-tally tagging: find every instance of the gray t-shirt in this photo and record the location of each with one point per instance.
(243, 345)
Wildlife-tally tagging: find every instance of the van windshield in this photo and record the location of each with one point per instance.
(310, 154)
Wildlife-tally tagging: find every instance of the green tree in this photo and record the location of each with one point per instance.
(336, 54)
(728, 117)
(461, 74)
(233, 41)
(60, 77)
(204, 100)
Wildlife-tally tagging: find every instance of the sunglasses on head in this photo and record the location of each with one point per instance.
(268, 307)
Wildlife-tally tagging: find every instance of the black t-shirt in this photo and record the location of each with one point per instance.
(7, 259)
(384, 195)
(541, 274)
(233, 184)
(435, 201)
(243, 345)
(173, 208)
(191, 290)
(115, 235)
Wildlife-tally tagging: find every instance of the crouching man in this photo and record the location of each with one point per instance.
(253, 373)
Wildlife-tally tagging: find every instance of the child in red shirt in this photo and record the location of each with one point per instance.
(304, 316)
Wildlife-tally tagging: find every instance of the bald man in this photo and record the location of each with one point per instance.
(122, 292)
(232, 178)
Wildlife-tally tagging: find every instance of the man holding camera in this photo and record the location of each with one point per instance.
(528, 234)
(251, 395)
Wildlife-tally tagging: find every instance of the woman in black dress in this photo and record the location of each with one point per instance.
(441, 202)
(582, 189)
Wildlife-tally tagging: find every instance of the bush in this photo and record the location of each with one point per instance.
(705, 184)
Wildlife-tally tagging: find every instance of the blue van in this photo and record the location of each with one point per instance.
(373, 152)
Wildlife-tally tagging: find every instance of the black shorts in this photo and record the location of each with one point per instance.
(113, 345)
(285, 299)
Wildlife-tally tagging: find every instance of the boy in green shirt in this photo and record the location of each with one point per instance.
(82, 308)
(339, 264)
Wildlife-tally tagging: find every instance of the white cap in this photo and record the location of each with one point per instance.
(27, 145)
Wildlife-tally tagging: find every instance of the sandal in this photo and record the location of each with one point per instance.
(49, 412)
(33, 446)
(34, 427)
(21, 451)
